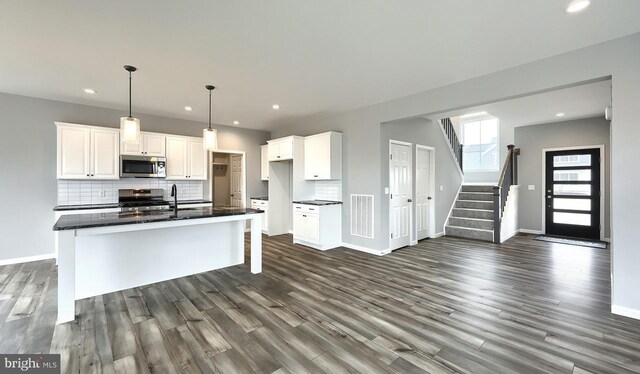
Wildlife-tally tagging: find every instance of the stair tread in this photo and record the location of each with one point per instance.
(476, 201)
(478, 210)
(474, 219)
(470, 228)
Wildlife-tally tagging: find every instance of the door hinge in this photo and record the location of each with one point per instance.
(390, 157)
(391, 236)
(391, 196)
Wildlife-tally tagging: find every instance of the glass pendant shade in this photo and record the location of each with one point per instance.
(130, 129)
(210, 137)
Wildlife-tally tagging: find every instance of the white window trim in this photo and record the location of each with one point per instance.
(483, 118)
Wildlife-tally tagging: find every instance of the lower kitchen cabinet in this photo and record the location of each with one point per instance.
(262, 205)
(318, 227)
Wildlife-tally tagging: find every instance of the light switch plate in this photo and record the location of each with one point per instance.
(531, 187)
(386, 190)
(441, 188)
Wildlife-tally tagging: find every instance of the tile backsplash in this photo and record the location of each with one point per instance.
(73, 192)
(329, 190)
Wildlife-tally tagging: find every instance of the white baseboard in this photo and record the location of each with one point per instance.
(438, 235)
(527, 231)
(626, 312)
(509, 236)
(376, 252)
(20, 260)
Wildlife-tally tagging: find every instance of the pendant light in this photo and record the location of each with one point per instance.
(210, 135)
(129, 126)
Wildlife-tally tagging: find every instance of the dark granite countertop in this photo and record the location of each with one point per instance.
(318, 202)
(187, 202)
(264, 198)
(86, 206)
(83, 221)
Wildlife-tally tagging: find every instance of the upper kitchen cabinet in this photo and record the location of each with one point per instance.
(282, 149)
(87, 152)
(186, 158)
(264, 162)
(150, 144)
(323, 156)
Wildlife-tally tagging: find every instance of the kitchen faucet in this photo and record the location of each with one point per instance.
(174, 194)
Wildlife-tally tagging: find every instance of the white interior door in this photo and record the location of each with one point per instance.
(423, 191)
(400, 193)
(236, 180)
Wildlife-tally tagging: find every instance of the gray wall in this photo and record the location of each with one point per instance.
(423, 132)
(532, 139)
(618, 59)
(28, 163)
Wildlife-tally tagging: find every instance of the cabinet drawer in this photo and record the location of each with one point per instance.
(306, 208)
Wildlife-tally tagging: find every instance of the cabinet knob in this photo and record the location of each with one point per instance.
(88, 175)
(315, 176)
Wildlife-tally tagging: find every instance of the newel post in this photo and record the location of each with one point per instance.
(510, 148)
(496, 214)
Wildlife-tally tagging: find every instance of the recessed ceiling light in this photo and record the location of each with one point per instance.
(577, 5)
(560, 115)
(188, 108)
(275, 106)
(473, 114)
(236, 122)
(89, 91)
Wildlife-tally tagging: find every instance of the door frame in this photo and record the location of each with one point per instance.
(244, 172)
(412, 240)
(432, 188)
(603, 184)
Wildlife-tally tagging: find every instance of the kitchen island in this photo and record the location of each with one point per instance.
(107, 252)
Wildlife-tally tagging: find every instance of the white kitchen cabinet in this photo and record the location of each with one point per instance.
(186, 158)
(281, 149)
(262, 205)
(87, 152)
(150, 144)
(318, 227)
(264, 162)
(323, 156)
(196, 160)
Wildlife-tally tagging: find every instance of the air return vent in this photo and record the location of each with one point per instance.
(362, 215)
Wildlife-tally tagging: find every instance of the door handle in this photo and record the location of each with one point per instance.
(409, 200)
(429, 198)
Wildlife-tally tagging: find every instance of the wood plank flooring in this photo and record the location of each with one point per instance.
(445, 305)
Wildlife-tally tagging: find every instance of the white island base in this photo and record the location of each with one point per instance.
(99, 260)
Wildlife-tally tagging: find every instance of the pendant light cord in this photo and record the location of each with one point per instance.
(129, 94)
(209, 109)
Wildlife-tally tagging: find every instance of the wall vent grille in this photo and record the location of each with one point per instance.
(362, 215)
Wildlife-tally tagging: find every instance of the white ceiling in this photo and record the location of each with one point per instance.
(585, 101)
(308, 56)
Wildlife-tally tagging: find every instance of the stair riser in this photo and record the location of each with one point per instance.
(474, 204)
(477, 189)
(469, 234)
(475, 196)
(471, 214)
(462, 222)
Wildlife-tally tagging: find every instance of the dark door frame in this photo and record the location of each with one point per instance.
(603, 185)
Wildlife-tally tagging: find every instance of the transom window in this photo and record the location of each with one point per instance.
(480, 140)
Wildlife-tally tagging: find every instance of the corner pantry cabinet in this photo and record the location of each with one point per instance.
(186, 158)
(87, 152)
(151, 144)
(316, 226)
(323, 156)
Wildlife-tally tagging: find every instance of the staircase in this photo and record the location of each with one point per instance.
(472, 215)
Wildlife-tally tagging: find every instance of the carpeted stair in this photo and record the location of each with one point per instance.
(472, 215)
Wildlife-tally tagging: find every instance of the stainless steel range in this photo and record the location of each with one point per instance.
(134, 200)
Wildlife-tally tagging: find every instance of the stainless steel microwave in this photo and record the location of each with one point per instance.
(143, 167)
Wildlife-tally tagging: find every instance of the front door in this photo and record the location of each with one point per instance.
(400, 193)
(572, 200)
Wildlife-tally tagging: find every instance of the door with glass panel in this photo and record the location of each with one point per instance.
(572, 197)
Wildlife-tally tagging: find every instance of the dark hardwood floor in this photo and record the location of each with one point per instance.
(445, 305)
